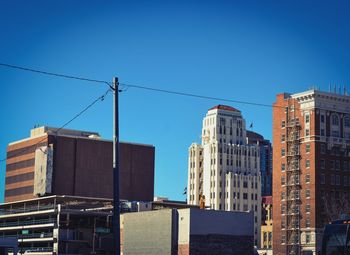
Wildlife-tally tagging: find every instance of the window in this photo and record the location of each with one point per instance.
(323, 148)
(308, 238)
(322, 132)
(338, 179)
(283, 124)
(322, 118)
(283, 239)
(307, 208)
(283, 138)
(307, 163)
(323, 179)
(307, 148)
(332, 179)
(308, 223)
(345, 181)
(335, 119)
(245, 196)
(307, 193)
(332, 164)
(307, 118)
(283, 180)
(283, 167)
(283, 152)
(345, 165)
(283, 224)
(283, 195)
(245, 184)
(307, 132)
(307, 179)
(283, 209)
(323, 164)
(245, 207)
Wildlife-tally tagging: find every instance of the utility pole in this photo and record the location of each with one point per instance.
(116, 212)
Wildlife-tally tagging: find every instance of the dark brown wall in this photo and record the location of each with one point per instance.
(83, 167)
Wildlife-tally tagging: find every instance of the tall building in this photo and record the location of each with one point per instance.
(265, 161)
(224, 167)
(311, 147)
(76, 163)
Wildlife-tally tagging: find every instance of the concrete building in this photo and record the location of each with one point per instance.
(265, 161)
(57, 225)
(187, 231)
(224, 167)
(266, 226)
(76, 163)
(311, 141)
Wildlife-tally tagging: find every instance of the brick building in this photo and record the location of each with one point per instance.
(76, 163)
(311, 177)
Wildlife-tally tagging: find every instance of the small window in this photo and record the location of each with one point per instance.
(338, 179)
(283, 195)
(307, 163)
(307, 132)
(307, 148)
(322, 118)
(335, 119)
(283, 138)
(283, 152)
(323, 179)
(283, 124)
(308, 238)
(283, 180)
(307, 208)
(323, 148)
(283, 239)
(323, 164)
(307, 193)
(332, 179)
(308, 223)
(307, 118)
(307, 179)
(283, 167)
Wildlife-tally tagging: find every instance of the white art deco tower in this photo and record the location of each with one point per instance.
(224, 168)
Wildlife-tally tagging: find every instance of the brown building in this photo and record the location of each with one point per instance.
(76, 163)
(311, 177)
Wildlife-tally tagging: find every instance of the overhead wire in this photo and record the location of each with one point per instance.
(126, 86)
(100, 98)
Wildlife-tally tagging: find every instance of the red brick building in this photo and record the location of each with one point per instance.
(311, 177)
(76, 163)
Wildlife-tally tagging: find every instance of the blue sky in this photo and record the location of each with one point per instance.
(241, 50)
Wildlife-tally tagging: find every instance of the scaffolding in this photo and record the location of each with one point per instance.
(292, 181)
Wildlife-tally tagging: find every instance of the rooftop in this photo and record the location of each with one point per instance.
(224, 107)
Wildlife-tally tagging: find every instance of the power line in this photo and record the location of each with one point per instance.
(198, 96)
(53, 74)
(179, 93)
(100, 98)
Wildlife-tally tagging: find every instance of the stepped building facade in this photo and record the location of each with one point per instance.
(224, 170)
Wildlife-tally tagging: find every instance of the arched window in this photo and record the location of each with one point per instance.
(335, 127)
(346, 123)
(335, 119)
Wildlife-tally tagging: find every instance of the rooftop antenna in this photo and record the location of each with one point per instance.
(339, 89)
(329, 88)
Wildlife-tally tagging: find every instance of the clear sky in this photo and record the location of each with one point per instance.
(241, 50)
